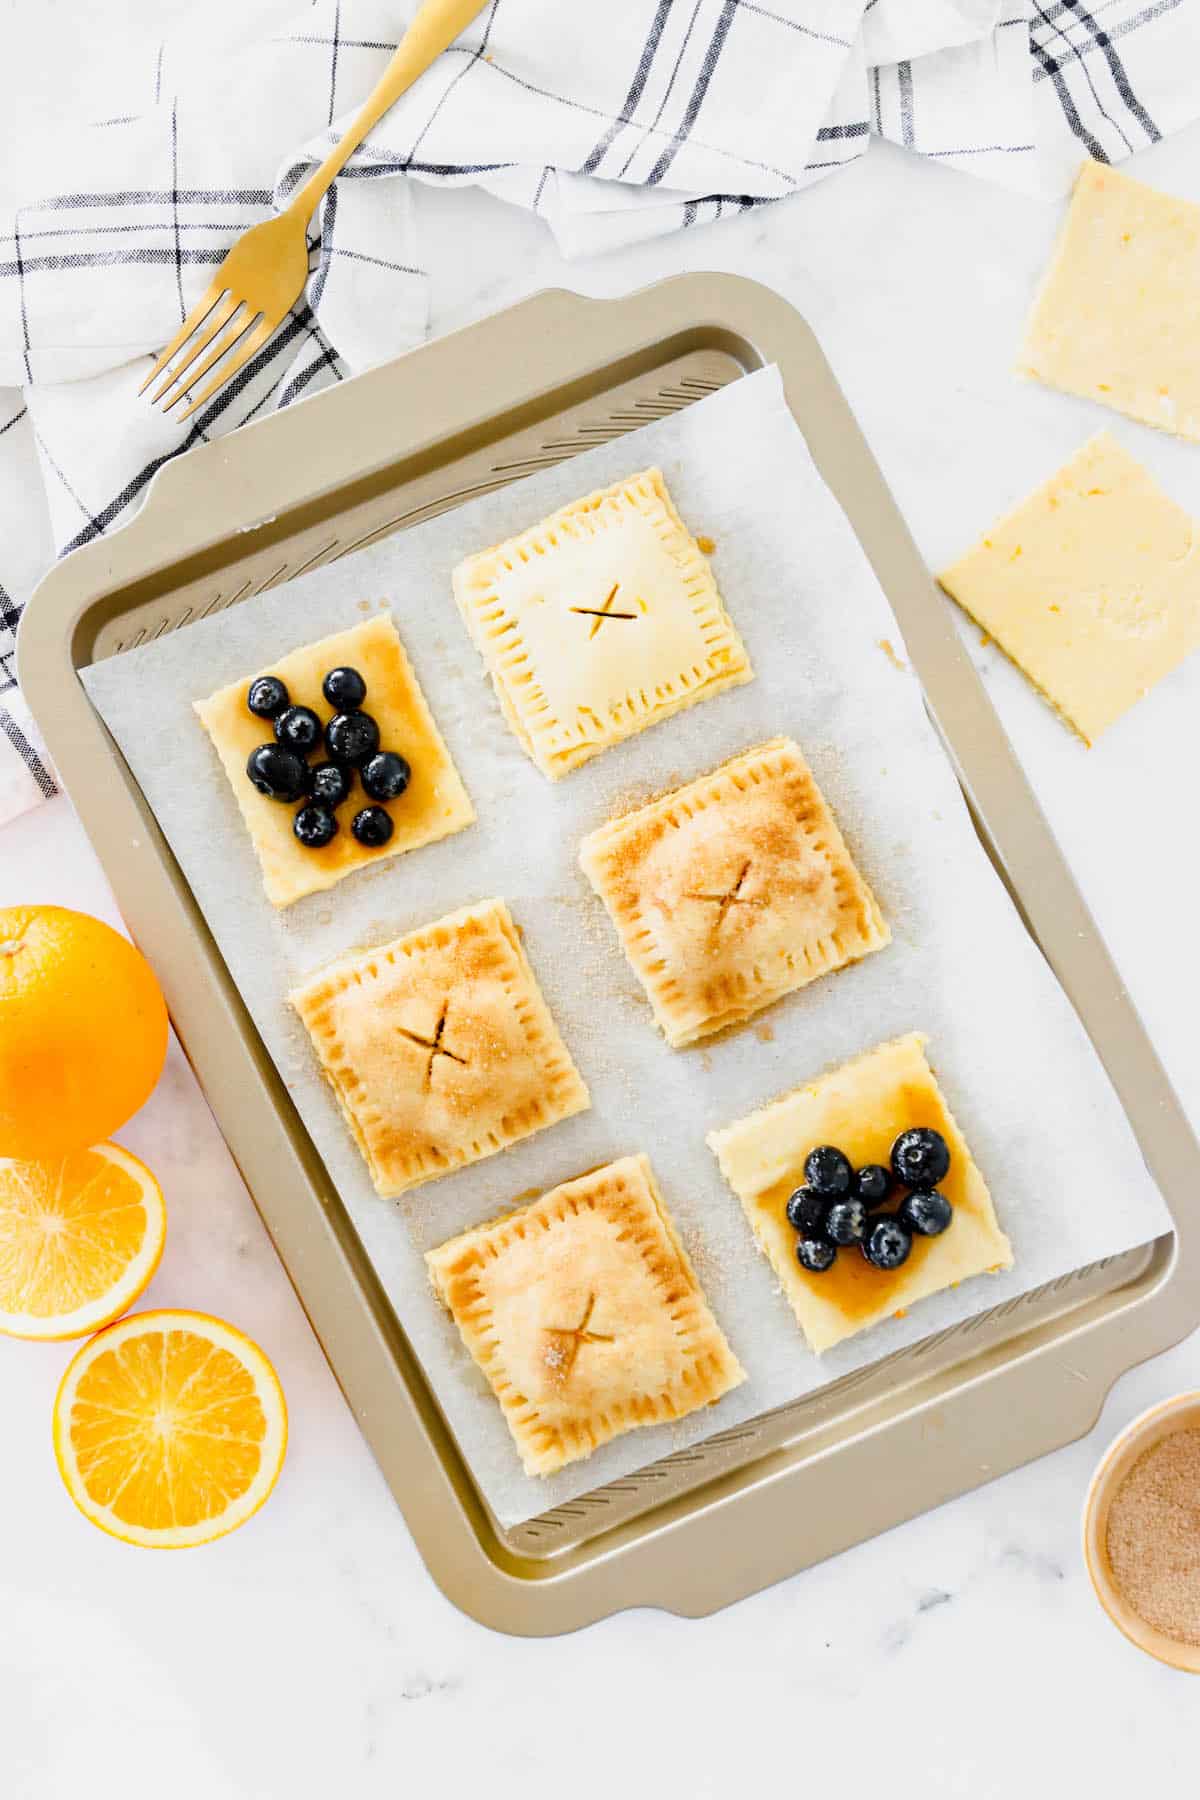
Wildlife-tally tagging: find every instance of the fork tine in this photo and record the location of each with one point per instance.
(245, 350)
(225, 310)
(194, 320)
(232, 332)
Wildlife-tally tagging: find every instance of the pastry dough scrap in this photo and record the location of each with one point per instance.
(1091, 585)
(439, 1047)
(1115, 319)
(732, 891)
(434, 805)
(862, 1108)
(598, 622)
(585, 1314)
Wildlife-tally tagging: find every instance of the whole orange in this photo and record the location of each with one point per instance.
(83, 1031)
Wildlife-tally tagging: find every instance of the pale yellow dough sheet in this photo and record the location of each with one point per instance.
(1116, 317)
(1092, 585)
(861, 1107)
(584, 1313)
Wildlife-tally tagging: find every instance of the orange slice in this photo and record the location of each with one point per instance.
(170, 1429)
(80, 1237)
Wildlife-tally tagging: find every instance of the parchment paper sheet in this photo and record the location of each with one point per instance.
(1020, 1075)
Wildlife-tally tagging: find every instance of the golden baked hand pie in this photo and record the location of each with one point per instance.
(732, 891)
(861, 1108)
(439, 1047)
(598, 622)
(1091, 585)
(585, 1314)
(434, 805)
(1115, 318)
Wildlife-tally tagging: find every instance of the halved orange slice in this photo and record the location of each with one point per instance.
(170, 1429)
(80, 1237)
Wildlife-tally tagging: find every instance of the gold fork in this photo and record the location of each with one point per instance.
(259, 280)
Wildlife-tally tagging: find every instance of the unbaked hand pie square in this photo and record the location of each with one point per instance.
(861, 1108)
(1115, 319)
(732, 891)
(1091, 585)
(585, 1314)
(439, 1047)
(598, 622)
(433, 805)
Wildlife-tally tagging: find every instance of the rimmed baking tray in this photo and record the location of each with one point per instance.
(532, 386)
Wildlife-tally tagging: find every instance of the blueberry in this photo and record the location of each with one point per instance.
(846, 1222)
(372, 827)
(331, 783)
(828, 1171)
(926, 1212)
(806, 1213)
(920, 1157)
(350, 737)
(344, 689)
(815, 1255)
(315, 826)
(888, 1243)
(298, 728)
(266, 697)
(385, 775)
(872, 1184)
(278, 773)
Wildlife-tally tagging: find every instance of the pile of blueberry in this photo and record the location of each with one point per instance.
(283, 772)
(832, 1211)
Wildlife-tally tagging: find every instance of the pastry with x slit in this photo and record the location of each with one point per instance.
(584, 1312)
(732, 891)
(439, 1047)
(598, 622)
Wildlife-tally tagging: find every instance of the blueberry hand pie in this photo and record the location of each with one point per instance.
(280, 735)
(886, 1101)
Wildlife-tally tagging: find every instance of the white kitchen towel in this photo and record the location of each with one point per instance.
(614, 123)
(1046, 82)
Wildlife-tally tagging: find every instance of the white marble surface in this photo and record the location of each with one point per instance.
(310, 1654)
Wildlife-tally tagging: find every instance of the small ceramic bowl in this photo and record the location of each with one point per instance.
(1160, 1421)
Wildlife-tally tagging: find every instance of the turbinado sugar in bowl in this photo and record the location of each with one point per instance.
(1154, 1537)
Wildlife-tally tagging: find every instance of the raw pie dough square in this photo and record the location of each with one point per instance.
(598, 622)
(439, 1047)
(861, 1107)
(434, 805)
(585, 1314)
(1115, 319)
(732, 891)
(1092, 585)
